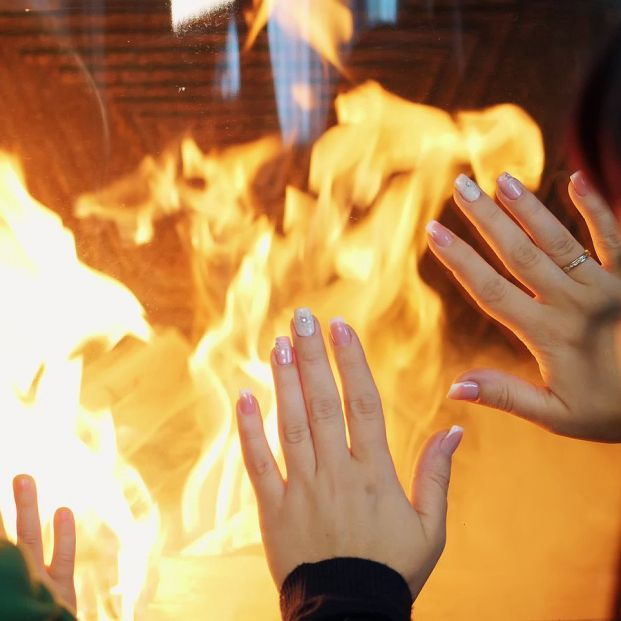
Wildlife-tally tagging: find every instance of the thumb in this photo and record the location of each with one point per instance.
(431, 481)
(508, 393)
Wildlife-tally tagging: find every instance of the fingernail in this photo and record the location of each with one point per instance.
(246, 401)
(468, 189)
(451, 440)
(581, 185)
(23, 482)
(464, 391)
(304, 322)
(340, 332)
(283, 350)
(510, 186)
(64, 515)
(440, 234)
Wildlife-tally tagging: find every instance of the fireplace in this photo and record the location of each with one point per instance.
(166, 173)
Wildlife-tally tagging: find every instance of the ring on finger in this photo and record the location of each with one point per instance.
(585, 256)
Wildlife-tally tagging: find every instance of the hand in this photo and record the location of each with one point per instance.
(576, 352)
(58, 577)
(339, 501)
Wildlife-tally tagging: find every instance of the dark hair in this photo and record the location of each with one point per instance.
(596, 135)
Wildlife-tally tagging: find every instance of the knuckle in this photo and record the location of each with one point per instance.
(324, 409)
(505, 399)
(27, 536)
(525, 255)
(365, 406)
(611, 240)
(261, 467)
(295, 433)
(493, 290)
(311, 355)
(561, 246)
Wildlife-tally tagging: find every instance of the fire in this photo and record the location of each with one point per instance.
(325, 25)
(87, 378)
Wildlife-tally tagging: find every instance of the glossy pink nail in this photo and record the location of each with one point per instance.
(246, 402)
(440, 235)
(580, 183)
(340, 332)
(464, 391)
(283, 350)
(451, 440)
(510, 186)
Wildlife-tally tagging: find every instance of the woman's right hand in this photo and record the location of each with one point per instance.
(577, 353)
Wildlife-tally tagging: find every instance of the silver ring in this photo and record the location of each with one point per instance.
(585, 256)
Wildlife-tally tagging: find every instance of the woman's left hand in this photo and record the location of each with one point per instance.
(340, 501)
(58, 576)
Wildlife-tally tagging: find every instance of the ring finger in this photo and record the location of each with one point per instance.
(545, 229)
(293, 427)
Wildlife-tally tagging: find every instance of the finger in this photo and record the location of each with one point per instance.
(600, 220)
(62, 567)
(494, 294)
(323, 402)
(258, 458)
(508, 393)
(363, 406)
(2, 530)
(293, 427)
(431, 481)
(544, 228)
(525, 261)
(28, 522)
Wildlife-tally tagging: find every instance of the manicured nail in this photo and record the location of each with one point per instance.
(246, 401)
(283, 350)
(580, 183)
(440, 234)
(304, 322)
(464, 391)
(468, 189)
(510, 186)
(451, 440)
(340, 332)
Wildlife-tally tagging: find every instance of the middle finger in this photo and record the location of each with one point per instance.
(323, 402)
(515, 249)
(545, 229)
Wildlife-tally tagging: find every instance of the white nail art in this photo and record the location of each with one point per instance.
(454, 429)
(304, 322)
(467, 188)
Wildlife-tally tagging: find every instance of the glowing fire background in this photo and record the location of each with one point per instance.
(172, 188)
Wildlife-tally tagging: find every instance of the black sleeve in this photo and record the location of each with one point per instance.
(345, 589)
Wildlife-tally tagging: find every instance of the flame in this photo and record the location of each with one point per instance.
(325, 25)
(53, 309)
(143, 413)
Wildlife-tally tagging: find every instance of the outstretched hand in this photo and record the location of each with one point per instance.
(340, 500)
(58, 576)
(562, 323)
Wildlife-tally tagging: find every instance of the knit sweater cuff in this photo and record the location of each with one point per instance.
(345, 588)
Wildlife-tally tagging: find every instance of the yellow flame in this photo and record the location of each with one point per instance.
(94, 394)
(324, 24)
